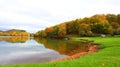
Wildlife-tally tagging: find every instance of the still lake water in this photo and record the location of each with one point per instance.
(17, 50)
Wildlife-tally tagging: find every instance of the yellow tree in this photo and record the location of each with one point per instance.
(62, 30)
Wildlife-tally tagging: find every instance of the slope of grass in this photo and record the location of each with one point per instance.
(107, 56)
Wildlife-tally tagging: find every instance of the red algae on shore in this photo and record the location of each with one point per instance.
(91, 50)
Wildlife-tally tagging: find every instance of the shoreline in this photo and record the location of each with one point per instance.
(91, 50)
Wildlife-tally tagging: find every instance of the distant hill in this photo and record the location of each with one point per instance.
(14, 32)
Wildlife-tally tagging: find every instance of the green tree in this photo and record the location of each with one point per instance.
(85, 30)
(111, 18)
(118, 18)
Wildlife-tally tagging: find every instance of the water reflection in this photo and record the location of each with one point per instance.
(15, 39)
(65, 47)
(25, 50)
(17, 50)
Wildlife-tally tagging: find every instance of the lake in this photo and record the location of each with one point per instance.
(18, 50)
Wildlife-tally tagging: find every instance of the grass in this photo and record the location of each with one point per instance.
(107, 56)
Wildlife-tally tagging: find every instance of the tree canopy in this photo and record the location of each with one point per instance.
(88, 26)
(14, 32)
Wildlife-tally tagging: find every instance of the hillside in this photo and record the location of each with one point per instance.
(14, 32)
(108, 24)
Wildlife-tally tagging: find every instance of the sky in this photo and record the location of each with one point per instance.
(34, 15)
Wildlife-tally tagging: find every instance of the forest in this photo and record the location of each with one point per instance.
(14, 32)
(108, 24)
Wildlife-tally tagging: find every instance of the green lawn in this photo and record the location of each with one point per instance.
(107, 56)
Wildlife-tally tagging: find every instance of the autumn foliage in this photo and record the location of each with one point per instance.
(14, 32)
(88, 26)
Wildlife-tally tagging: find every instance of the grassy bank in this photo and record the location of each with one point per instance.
(107, 56)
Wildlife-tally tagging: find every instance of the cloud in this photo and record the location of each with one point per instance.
(33, 15)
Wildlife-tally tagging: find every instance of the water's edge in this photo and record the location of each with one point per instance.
(92, 49)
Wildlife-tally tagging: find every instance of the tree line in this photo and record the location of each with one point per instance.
(14, 32)
(108, 24)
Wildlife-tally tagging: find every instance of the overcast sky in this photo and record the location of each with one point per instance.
(34, 15)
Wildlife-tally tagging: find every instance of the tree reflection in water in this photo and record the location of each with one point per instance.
(15, 39)
(65, 47)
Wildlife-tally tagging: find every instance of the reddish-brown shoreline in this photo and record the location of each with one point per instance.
(91, 50)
